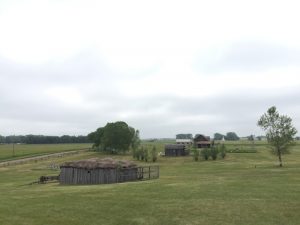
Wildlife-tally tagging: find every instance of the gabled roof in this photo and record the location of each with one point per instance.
(201, 137)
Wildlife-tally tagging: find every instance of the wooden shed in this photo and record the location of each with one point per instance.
(175, 150)
(201, 141)
(98, 171)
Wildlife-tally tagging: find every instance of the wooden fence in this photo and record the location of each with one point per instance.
(147, 172)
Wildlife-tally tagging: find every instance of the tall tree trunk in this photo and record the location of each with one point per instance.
(279, 157)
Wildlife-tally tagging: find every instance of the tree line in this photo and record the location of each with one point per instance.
(42, 139)
(230, 136)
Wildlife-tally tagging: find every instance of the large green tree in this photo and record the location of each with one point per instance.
(279, 131)
(232, 136)
(96, 136)
(218, 136)
(115, 137)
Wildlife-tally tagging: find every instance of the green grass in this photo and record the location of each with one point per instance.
(243, 189)
(28, 150)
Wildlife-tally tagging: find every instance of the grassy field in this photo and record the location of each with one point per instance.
(245, 188)
(26, 150)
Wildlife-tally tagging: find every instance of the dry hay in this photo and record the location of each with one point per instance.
(105, 163)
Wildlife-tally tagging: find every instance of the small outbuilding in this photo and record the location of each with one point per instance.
(98, 171)
(175, 150)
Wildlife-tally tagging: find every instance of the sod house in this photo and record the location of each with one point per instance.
(98, 171)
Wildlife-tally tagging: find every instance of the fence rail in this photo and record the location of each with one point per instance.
(42, 157)
(142, 173)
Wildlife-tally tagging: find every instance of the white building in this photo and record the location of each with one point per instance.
(184, 141)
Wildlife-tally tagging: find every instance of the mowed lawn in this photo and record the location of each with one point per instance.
(245, 188)
(10, 152)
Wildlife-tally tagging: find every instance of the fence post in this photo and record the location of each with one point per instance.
(117, 176)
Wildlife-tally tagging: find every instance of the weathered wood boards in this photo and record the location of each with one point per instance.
(96, 176)
(104, 171)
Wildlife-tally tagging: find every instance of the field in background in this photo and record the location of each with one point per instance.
(18, 151)
(245, 188)
(230, 145)
(28, 150)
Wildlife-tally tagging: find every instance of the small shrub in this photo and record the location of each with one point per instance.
(154, 154)
(135, 153)
(205, 153)
(141, 153)
(196, 154)
(223, 151)
(214, 152)
(146, 154)
(188, 150)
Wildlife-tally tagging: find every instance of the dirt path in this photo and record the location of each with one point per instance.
(42, 157)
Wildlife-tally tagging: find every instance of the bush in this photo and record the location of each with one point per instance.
(141, 154)
(188, 150)
(196, 154)
(153, 154)
(214, 152)
(205, 153)
(146, 154)
(135, 153)
(223, 151)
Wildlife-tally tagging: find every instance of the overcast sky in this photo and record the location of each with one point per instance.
(164, 67)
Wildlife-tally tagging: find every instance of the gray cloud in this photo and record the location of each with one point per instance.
(26, 108)
(247, 57)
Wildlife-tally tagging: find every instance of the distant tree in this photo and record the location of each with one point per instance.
(251, 137)
(2, 139)
(66, 139)
(258, 138)
(42, 139)
(218, 136)
(279, 131)
(232, 136)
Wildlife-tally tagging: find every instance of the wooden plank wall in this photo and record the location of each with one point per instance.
(107, 176)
